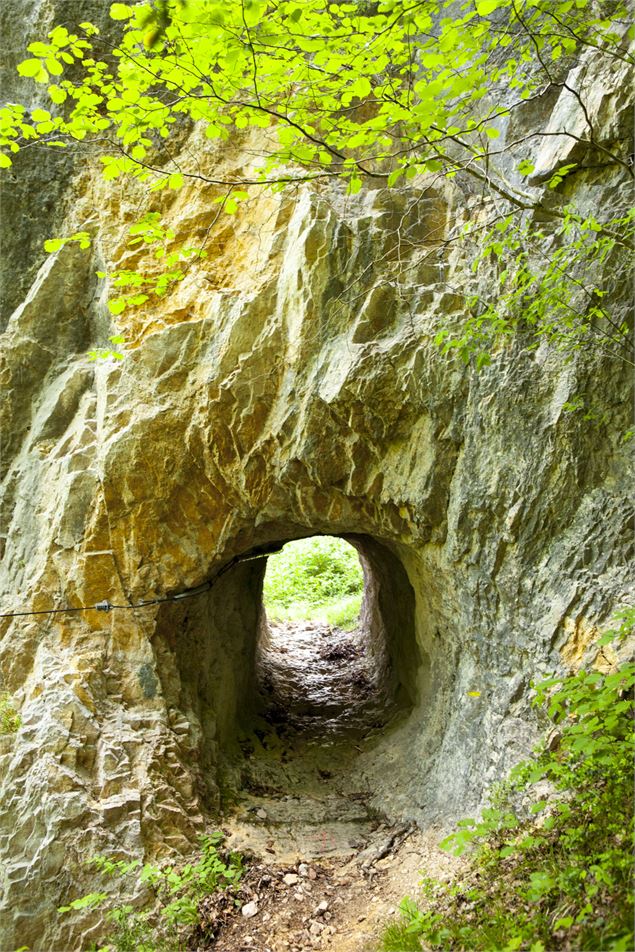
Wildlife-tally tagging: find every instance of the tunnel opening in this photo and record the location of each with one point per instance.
(316, 672)
(283, 711)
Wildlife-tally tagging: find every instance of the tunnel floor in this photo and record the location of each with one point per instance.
(298, 793)
(326, 868)
(319, 680)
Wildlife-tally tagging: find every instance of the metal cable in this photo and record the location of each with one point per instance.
(106, 606)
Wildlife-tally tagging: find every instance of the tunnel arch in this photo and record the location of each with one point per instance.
(212, 640)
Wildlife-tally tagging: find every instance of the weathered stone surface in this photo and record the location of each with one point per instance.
(289, 386)
(595, 104)
(33, 194)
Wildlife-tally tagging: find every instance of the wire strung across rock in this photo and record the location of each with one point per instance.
(107, 606)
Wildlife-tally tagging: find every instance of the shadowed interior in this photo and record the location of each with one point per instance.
(220, 642)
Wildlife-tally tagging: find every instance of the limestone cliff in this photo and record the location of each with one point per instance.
(290, 385)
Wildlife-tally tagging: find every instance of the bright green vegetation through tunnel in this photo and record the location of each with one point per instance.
(315, 579)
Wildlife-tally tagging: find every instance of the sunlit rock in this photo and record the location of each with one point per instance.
(289, 386)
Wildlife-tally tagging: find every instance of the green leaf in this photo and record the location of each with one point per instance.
(117, 306)
(83, 238)
(30, 67)
(54, 244)
(514, 943)
(5, 161)
(53, 66)
(85, 902)
(120, 11)
(394, 176)
(525, 167)
(361, 87)
(539, 806)
(57, 94)
(39, 49)
(485, 7)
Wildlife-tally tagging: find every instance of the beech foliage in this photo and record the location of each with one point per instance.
(394, 94)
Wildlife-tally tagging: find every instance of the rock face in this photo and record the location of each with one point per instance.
(289, 386)
(34, 192)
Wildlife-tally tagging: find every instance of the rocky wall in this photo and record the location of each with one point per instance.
(290, 385)
(33, 195)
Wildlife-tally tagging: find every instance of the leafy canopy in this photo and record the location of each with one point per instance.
(346, 86)
(362, 91)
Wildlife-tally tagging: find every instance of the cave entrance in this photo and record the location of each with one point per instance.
(335, 672)
(316, 672)
(292, 729)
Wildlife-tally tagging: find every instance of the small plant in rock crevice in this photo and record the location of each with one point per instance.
(551, 870)
(164, 922)
(10, 720)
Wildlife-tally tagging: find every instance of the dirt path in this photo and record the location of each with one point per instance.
(327, 871)
(340, 905)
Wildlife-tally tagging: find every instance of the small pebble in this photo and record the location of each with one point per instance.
(250, 909)
(290, 879)
(322, 908)
(261, 814)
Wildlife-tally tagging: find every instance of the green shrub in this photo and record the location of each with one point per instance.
(163, 925)
(560, 878)
(318, 578)
(342, 613)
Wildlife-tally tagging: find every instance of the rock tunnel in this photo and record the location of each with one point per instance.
(291, 387)
(215, 642)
